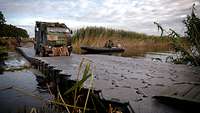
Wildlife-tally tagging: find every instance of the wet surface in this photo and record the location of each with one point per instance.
(20, 88)
(135, 80)
(15, 62)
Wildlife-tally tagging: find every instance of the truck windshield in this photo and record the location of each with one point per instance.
(57, 38)
(57, 29)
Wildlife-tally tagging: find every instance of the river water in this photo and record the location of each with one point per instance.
(20, 87)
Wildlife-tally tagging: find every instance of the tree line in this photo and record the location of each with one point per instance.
(10, 30)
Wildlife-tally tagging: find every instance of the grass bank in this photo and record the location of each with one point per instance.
(8, 43)
(134, 43)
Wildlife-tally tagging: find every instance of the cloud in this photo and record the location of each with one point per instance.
(134, 15)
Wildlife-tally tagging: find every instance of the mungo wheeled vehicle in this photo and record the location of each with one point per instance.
(52, 39)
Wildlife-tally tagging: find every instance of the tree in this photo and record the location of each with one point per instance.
(10, 30)
(190, 55)
(2, 18)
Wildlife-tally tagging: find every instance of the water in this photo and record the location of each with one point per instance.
(160, 56)
(20, 88)
(164, 57)
(15, 62)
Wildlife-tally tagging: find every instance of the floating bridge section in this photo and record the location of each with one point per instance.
(62, 74)
(137, 81)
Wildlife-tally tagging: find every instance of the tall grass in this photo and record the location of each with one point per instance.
(106, 32)
(8, 43)
(81, 97)
(134, 43)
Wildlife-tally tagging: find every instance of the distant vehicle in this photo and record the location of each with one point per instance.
(109, 47)
(52, 39)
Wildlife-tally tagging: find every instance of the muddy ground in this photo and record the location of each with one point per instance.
(133, 80)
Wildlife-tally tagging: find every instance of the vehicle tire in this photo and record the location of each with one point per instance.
(69, 53)
(42, 53)
(70, 50)
(36, 52)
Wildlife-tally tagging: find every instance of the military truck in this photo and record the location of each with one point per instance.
(52, 39)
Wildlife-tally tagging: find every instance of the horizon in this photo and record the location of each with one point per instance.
(129, 15)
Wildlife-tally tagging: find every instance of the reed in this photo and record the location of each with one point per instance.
(80, 96)
(9, 43)
(134, 44)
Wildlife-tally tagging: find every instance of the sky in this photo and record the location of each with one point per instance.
(131, 15)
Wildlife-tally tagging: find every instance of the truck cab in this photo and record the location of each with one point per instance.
(52, 39)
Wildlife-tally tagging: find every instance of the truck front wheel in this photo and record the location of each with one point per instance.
(42, 52)
(36, 52)
(69, 49)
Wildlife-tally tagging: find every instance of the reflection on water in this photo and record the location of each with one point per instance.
(142, 50)
(151, 56)
(160, 57)
(21, 88)
(16, 62)
(156, 54)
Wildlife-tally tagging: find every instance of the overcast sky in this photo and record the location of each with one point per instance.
(133, 15)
